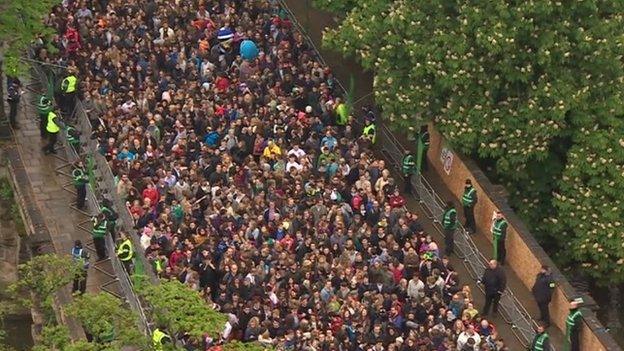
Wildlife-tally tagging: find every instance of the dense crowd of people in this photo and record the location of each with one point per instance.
(251, 183)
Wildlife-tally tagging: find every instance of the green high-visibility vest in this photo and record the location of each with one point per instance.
(125, 252)
(69, 84)
(498, 233)
(574, 317)
(70, 138)
(52, 127)
(44, 106)
(408, 164)
(370, 132)
(157, 338)
(500, 229)
(99, 229)
(79, 177)
(468, 199)
(447, 219)
(539, 342)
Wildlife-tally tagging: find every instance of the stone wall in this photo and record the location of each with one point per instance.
(524, 255)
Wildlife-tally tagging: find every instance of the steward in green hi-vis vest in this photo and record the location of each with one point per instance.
(573, 328)
(73, 138)
(469, 200)
(370, 132)
(449, 218)
(408, 167)
(44, 106)
(449, 224)
(80, 179)
(541, 342)
(99, 234)
(499, 234)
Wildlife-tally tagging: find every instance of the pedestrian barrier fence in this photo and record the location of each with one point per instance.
(101, 186)
(512, 310)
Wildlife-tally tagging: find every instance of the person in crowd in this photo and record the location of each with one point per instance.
(250, 182)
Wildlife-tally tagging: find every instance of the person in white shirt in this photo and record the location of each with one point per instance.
(469, 338)
(292, 163)
(415, 288)
(296, 151)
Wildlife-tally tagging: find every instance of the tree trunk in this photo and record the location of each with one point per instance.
(2, 113)
(613, 314)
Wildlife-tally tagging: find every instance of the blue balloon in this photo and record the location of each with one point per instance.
(248, 50)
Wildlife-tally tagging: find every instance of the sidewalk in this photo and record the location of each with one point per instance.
(53, 194)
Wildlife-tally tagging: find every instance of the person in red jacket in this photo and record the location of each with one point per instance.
(396, 200)
(151, 193)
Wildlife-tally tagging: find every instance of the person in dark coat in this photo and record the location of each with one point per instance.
(542, 291)
(495, 282)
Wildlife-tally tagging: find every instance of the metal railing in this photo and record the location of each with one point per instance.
(513, 312)
(100, 190)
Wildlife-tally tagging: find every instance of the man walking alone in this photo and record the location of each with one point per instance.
(499, 234)
(495, 282)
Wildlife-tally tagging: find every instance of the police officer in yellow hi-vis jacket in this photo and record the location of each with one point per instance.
(69, 87)
(53, 127)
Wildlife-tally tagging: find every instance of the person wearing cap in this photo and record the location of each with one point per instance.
(499, 234)
(542, 291)
(81, 257)
(573, 328)
(541, 341)
(469, 200)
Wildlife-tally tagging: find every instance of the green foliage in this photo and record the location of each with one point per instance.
(589, 203)
(522, 84)
(338, 6)
(42, 276)
(56, 338)
(245, 346)
(181, 309)
(112, 324)
(21, 21)
(6, 191)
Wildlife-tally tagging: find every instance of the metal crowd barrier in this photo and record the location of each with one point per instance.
(102, 171)
(512, 310)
